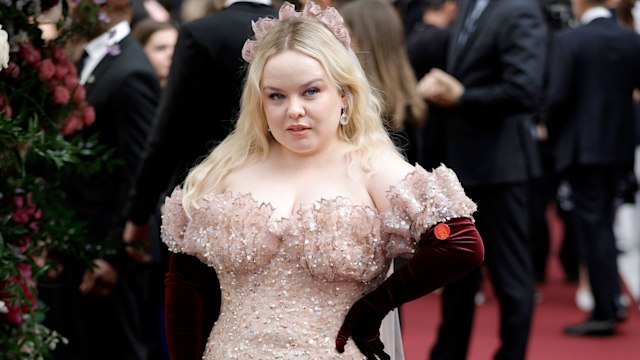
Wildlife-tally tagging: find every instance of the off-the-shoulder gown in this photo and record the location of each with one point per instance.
(287, 283)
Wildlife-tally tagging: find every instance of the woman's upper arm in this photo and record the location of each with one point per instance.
(390, 170)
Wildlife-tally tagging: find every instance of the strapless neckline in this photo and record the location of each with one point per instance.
(316, 205)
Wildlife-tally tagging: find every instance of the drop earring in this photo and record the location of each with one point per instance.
(343, 118)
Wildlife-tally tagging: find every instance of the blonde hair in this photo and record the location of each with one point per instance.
(250, 139)
(376, 28)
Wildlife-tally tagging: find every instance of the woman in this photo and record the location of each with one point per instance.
(378, 39)
(301, 209)
(158, 40)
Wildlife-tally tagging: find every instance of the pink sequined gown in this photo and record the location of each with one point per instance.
(287, 283)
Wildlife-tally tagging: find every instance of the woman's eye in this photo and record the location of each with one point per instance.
(276, 96)
(312, 91)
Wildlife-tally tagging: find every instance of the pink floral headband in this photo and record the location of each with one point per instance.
(329, 17)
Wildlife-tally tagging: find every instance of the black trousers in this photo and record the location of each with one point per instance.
(591, 220)
(121, 326)
(503, 222)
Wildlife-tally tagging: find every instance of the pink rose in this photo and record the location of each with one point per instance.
(46, 69)
(30, 54)
(88, 115)
(20, 215)
(71, 82)
(79, 94)
(13, 70)
(71, 68)
(14, 316)
(71, 124)
(25, 281)
(62, 71)
(5, 106)
(59, 54)
(26, 210)
(8, 112)
(61, 95)
(25, 272)
(23, 243)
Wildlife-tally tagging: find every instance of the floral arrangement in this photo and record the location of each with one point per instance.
(42, 107)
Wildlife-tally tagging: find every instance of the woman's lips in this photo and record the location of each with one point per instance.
(298, 130)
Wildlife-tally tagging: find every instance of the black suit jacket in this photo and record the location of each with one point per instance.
(487, 137)
(589, 110)
(427, 48)
(199, 103)
(124, 91)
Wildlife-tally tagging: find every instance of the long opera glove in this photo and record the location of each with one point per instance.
(437, 262)
(192, 303)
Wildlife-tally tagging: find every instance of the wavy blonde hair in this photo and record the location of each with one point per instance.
(250, 139)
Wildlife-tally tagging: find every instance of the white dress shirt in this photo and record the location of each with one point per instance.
(595, 12)
(99, 47)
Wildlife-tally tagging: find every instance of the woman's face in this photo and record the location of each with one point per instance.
(159, 50)
(301, 105)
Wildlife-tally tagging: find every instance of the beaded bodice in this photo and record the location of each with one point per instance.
(287, 283)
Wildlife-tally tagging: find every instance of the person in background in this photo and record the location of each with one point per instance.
(302, 257)
(427, 42)
(411, 13)
(489, 92)
(196, 112)
(427, 45)
(589, 114)
(158, 40)
(191, 10)
(107, 311)
(378, 41)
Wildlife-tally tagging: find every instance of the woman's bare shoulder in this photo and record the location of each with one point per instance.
(389, 170)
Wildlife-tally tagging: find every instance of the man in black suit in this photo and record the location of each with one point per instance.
(427, 42)
(197, 109)
(104, 311)
(590, 117)
(427, 46)
(492, 86)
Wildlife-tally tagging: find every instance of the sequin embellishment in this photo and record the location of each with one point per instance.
(287, 284)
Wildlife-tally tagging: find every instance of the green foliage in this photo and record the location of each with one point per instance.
(42, 113)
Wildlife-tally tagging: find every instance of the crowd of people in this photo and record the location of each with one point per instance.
(293, 172)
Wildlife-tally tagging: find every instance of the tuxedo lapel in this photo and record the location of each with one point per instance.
(456, 55)
(98, 72)
(105, 64)
(457, 28)
(480, 24)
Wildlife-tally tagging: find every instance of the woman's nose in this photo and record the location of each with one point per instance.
(296, 108)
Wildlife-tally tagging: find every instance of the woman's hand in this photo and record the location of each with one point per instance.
(362, 323)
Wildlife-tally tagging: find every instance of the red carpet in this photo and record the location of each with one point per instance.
(420, 320)
(557, 308)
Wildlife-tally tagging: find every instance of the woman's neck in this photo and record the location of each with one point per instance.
(286, 159)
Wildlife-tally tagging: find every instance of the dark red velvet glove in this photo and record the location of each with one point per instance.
(192, 305)
(436, 263)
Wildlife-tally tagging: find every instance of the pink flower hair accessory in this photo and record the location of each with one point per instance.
(329, 17)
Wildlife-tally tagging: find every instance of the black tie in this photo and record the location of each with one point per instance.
(470, 24)
(81, 61)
